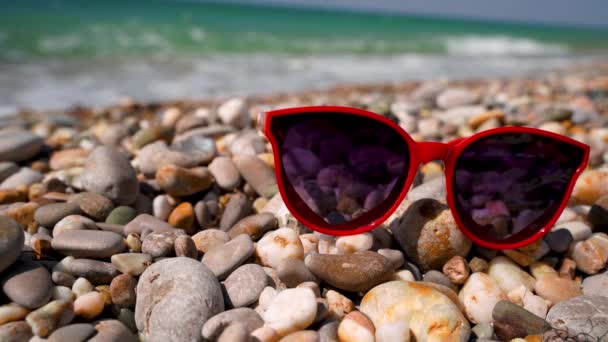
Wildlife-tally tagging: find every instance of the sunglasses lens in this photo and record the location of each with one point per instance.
(339, 169)
(508, 186)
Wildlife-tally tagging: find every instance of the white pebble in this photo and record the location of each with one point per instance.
(278, 245)
(291, 310)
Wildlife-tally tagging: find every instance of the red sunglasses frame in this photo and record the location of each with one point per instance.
(420, 152)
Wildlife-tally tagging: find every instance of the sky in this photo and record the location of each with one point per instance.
(562, 12)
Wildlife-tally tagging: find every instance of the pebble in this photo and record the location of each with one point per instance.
(302, 336)
(245, 284)
(479, 295)
(430, 315)
(559, 240)
(210, 238)
(512, 321)
(508, 275)
(12, 312)
(235, 332)
(292, 310)
(79, 332)
(395, 256)
(108, 172)
(73, 222)
(590, 256)
(7, 169)
(483, 330)
(15, 332)
(351, 272)
(82, 286)
(355, 327)
(88, 243)
(53, 315)
(339, 305)
(457, 270)
(258, 174)
(581, 316)
(265, 334)
(224, 259)
(429, 235)
(254, 225)
(161, 207)
(121, 215)
(19, 145)
(552, 287)
(596, 285)
(48, 215)
(112, 330)
(598, 214)
(238, 207)
(160, 244)
(279, 245)
(329, 332)
(354, 243)
(94, 205)
(175, 297)
(24, 177)
(122, 290)
(183, 217)
(234, 112)
(245, 316)
(144, 222)
(11, 242)
(27, 284)
(455, 97)
(184, 246)
(156, 155)
(178, 181)
(293, 271)
(579, 230)
(97, 272)
(69, 158)
(89, 305)
(225, 173)
(393, 332)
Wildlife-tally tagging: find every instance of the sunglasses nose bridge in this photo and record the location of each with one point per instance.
(430, 151)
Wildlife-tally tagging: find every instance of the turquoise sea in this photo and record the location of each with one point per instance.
(56, 53)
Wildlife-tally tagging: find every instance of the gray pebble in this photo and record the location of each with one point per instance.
(596, 285)
(11, 241)
(245, 284)
(146, 221)
(238, 207)
(97, 272)
(28, 284)
(50, 214)
(235, 332)
(15, 332)
(19, 145)
(94, 205)
(225, 173)
(89, 243)
(112, 330)
(250, 319)
(258, 174)
(293, 272)
(24, 177)
(159, 244)
(7, 169)
(79, 332)
(222, 260)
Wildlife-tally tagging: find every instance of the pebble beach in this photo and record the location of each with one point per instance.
(162, 222)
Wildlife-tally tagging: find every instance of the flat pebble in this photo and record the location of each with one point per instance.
(108, 172)
(97, 272)
(208, 239)
(237, 208)
(292, 310)
(175, 297)
(53, 315)
(11, 242)
(235, 332)
(223, 259)
(144, 221)
(254, 225)
(351, 272)
(178, 181)
(121, 215)
(79, 332)
(279, 245)
(225, 173)
(28, 284)
(258, 174)
(512, 321)
(94, 205)
(88, 243)
(19, 145)
(159, 244)
(15, 332)
(245, 316)
(156, 155)
(245, 284)
(50, 214)
(508, 275)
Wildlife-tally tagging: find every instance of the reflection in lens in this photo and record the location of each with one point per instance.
(508, 186)
(341, 167)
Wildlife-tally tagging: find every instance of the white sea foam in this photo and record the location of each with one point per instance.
(475, 45)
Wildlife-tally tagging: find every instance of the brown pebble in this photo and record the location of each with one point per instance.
(457, 270)
(184, 246)
(183, 217)
(122, 290)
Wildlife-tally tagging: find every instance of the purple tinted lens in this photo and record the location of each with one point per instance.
(508, 186)
(340, 167)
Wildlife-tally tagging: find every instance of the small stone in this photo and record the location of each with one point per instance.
(121, 215)
(254, 225)
(245, 284)
(479, 295)
(210, 238)
(457, 270)
(94, 205)
(122, 290)
(24, 177)
(161, 207)
(293, 272)
(354, 243)
(53, 315)
(512, 321)
(559, 240)
(108, 172)
(589, 256)
(50, 214)
(235, 332)
(598, 215)
(133, 243)
(151, 134)
(159, 244)
(82, 286)
(178, 181)
(183, 217)
(144, 222)
(356, 327)
(552, 287)
(8, 196)
(79, 332)
(237, 208)
(19, 145)
(175, 297)
(245, 316)
(436, 277)
(455, 97)
(483, 330)
(278, 245)
(132, 263)
(351, 272)
(302, 336)
(579, 230)
(429, 235)
(478, 265)
(292, 310)
(112, 330)
(15, 332)
(27, 284)
(329, 332)
(88, 243)
(225, 173)
(7, 169)
(338, 304)
(156, 155)
(97, 272)
(265, 334)
(223, 259)
(394, 256)
(590, 186)
(73, 222)
(12, 312)
(596, 285)
(430, 315)
(257, 174)
(184, 246)
(508, 275)
(11, 242)
(89, 305)
(405, 275)
(234, 112)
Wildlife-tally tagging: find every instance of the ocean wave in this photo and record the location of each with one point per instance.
(476, 45)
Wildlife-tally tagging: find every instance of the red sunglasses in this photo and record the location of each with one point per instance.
(343, 171)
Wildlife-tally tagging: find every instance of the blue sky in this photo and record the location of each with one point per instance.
(563, 12)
